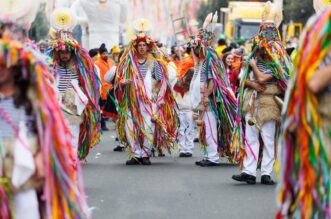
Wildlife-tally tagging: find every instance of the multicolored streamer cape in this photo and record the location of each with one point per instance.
(279, 63)
(63, 191)
(223, 101)
(90, 132)
(132, 96)
(304, 187)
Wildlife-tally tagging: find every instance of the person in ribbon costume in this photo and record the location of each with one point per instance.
(212, 98)
(38, 173)
(79, 86)
(265, 79)
(147, 110)
(305, 140)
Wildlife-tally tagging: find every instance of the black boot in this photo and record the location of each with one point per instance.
(133, 161)
(103, 125)
(244, 177)
(266, 180)
(146, 161)
(207, 163)
(104, 128)
(119, 148)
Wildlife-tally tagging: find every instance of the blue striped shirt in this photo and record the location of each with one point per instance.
(64, 78)
(15, 115)
(156, 71)
(203, 73)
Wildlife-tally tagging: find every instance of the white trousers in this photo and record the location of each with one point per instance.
(252, 137)
(211, 137)
(136, 148)
(26, 205)
(186, 132)
(75, 129)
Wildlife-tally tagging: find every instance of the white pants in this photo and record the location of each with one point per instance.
(26, 205)
(138, 150)
(252, 137)
(75, 129)
(186, 132)
(211, 137)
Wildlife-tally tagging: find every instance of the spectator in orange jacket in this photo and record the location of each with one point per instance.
(104, 63)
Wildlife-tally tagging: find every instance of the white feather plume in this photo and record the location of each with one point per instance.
(215, 18)
(208, 20)
(141, 26)
(266, 11)
(277, 12)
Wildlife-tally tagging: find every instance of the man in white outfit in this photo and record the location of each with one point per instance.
(261, 112)
(148, 72)
(202, 82)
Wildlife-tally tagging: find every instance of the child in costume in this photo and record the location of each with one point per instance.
(37, 174)
(147, 107)
(212, 97)
(305, 140)
(78, 85)
(265, 78)
(186, 133)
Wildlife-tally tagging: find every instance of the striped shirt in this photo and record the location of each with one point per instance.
(203, 68)
(9, 111)
(64, 78)
(326, 61)
(156, 71)
(263, 67)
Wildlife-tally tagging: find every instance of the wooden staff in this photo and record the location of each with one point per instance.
(251, 121)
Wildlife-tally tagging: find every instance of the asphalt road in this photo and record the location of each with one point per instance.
(169, 188)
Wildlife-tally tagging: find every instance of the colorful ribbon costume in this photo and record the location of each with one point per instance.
(63, 192)
(222, 102)
(304, 187)
(89, 83)
(136, 95)
(280, 65)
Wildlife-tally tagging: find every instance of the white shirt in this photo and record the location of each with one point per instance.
(183, 102)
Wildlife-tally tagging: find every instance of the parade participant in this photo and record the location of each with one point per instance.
(265, 78)
(186, 123)
(181, 61)
(304, 187)
(110, 79)
(104, 63)
(211, 97)
(37, 174)
(143, 94)
(176, 54)
(42, 45)
(77, 82)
